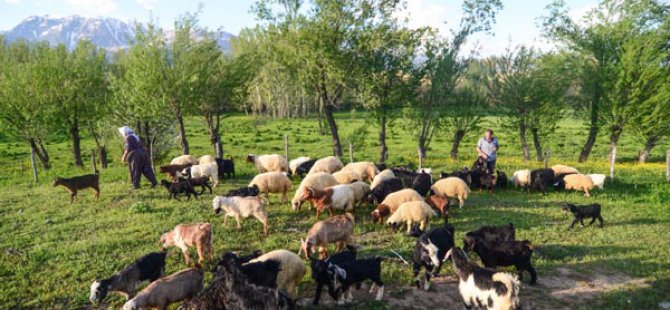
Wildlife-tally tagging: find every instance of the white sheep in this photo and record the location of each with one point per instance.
(346, 176)
(241, 207)
(329, 164)
(333, 197)
(161, 293)
(412, 212)
(210, 170)
(361, 191)
(365, 169)
(206, 159)
(452, 187)
(563, 169)
(598, 180)
(268, 163)
(579, 182)
(394, 200)
(521, 178)
(319, 180)
(385, 174)
(292, 270)
(184, 160)
(294, 163)
(272, 182)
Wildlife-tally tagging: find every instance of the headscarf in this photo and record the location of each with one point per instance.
(125, 130)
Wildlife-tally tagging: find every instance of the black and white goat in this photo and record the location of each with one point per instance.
(481, 287)
(148, 267)
(345, 275)
(503, 253)
(383, 189)
(429, 251)
(320, 271)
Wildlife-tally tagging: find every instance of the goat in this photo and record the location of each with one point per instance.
(244, 191)
(494, 234)
(354, 272)
(226, 167)
(74, 184)
(386, 187)
(584, 211)
(174, 171)
(429, 251)
(320, 271)
(506, 253)
(180, 187)
(148, 267)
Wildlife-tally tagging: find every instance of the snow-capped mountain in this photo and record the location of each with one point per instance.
(109, 33)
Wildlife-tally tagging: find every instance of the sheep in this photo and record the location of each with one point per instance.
(563, 169)
(245, 191)
(559, 184)
(337, 229)
(74, 184)
(268, 163)
(203, 182)
(392, 202)
(501, 181)
(598, 180)
(320, 271)
(164, 291)
(579, 182)
(422, 182)
(291, 269)
(385, 187)
(439, 203)
(184, 236)
(263, 273)
(238, 207)
(148, 267)
(226, 167)
(383, 175)
(319, 180)
(429, 251)
(412, 212)
(304, 168)
(494, 234)
(361, 191)
(294, 163)
(584, 211)
(173, 171)
(521, 178)
(353, 273)
(483, 288)
(333, 197)
(541, 178)
(179, 187)
(463, 174)
(329, 164)
(452, 187)
(210, 170)
(506, 253)
(206, 159)
(272, 182)
(366, 170)
(346, 176)
(184, 160)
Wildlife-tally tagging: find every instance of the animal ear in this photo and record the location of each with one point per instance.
(448, 255)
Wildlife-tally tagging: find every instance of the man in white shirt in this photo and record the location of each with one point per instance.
(487, 147)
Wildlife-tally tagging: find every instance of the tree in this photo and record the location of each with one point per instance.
(464, 113)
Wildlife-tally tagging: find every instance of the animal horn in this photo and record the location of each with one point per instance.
(448, 255)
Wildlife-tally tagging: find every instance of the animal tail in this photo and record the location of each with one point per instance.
(511, 282)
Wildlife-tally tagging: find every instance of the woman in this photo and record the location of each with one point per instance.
(138, 160)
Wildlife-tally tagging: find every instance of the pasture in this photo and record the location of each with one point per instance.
(51, 251)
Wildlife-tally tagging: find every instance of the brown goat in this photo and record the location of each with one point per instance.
(440, 203)
(184, 236)
(173, 171)
(72, 185)
(380, 212)
(320, 198)
(488, 181)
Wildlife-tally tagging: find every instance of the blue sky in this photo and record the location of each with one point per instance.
(516, 24)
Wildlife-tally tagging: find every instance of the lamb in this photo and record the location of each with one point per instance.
(506, 253)
(174, 171)
(422, 182)
(346, 176)
(320, 271)
(245, 191)
(483, 288)
(439, 203)
(584, 211)
(366, 170)
(541, 178)
(238, 207)
(392, 202)
(161, 293)
(179, 187)
(206, 159)
(412, 212)
(184, 160)
(361, 191)
(429, 251)
(304, 168)
(291, 269)
(319, 180)
(521, 178)
(563, 169)
(598, 180)
(501, 181)
(226, 167)
(494, 234)
(210, 170)
(272, 182)
(268, 163)
(355, 272)
(383, 175)
(333, 197)
(329, 164)
(203, 182)
(337, 229)
(294, 163)
(148, 267)
(385, 187)
(184, 236)
(579, 182)
(74, 184)
(452, 187)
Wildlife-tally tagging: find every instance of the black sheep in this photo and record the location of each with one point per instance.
(584, 211)
(495, 234)
(405, 175)
(429, 251)
(463, 174)
(181, 187)
(320, 271)
(226, 167)
(541, 179)
(502, 179)
(355, 272)
(244, 191)
(148, 267)
(259, 273)
(383, 189)
(304, 168)
(559, 183)
(421, 183)
(506, 253)
(202, 181)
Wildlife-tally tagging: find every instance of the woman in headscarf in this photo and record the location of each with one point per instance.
(137, 157)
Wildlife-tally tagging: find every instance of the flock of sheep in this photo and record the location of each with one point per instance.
(401, 196)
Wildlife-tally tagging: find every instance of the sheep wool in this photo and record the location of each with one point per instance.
(521, 178)
(241, 207)
(294, 163)
(579, 182)
(210, 170)
(598, 180)
(346, 176)
(412, 212)
(184, 160)
(394, 200)
(365, 169)
(269, 163)
(563, 169)
(206, 159)
(319, 180)
(328, 164)
(292, 269)
(452, 187)
(385, 174)
(361, 190)
(272, 182)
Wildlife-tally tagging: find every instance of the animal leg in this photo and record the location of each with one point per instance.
(600, 219)
(97, 193)
(73, 197)
(317, 296)
(350, 297)
(283, 197)
(573, 223)
(187, 259)
(409, 226)
(380, 293)
(586, 192)
(201, 253)
(372, 287)
(225, 220)
(533, 274)
(593, 219)
(581, 221)
(237, 219)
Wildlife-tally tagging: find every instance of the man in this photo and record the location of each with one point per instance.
(487, 148)
(137, 157)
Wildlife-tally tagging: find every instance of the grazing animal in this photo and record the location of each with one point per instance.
(483, 288)
(422, 182)
(203, 182)
(412, 212)
(346, 176)
(582, 212)
(184, 160)
(463, 174)
(487, 181)
(383, 175)
(502, 179)
(364, 170)
(541, 179)
(338, 229)
(304, 168)
(439, 203)
(294, 163)
(383, 189)
(452, 187)
(210, 170)
(179, 187)
(361, 191)
(245, 191)
(521, 178)
(148, 267)
(392, 202)
(559, 183)
(262, 273)
(319, 180)
(174, 171)
(206, 159)
(405, 175)
(578, 182)
(494, 234)
(320, 271)
(226, 167)
(74, 184)
(429, 252)
(333, 197)
(173, 288)
(355, 272)
(272, 182)
(328, 164)
(291, 270)
(268, 163)
(563, 169)
(241, 207)
(598, 180)
(506, 253)
(184, 236)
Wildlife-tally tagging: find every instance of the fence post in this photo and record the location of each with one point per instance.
(351, 152)
(667, 165)
(286, 146)
(546, 158)
(93, 161)
(612, 162)
(33, 164)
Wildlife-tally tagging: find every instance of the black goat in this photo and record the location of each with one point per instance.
(383, 189)
(202, 181)
(422, 182)
(304, 168)
(463, 174)
(502, 179)
(354, 272)
(181, 187)
(226, 167)
(405, 175)
(148, 267)
(495, 234)
(584, 211)
(479, 165)
(429, 251)
(541, 179)
(506, 253)
(244, 191)
(559, 183)
(259, 273)
(320, 271)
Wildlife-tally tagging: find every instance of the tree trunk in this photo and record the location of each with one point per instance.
(646, 151)
(41, 153)
(614, 138)
(458, 137)
(383, 149)
(593, 131)
(214, 136)
(524, 143)
(536, 142)
(337, 147)
(422, 153)
(102, 153)
(76, 144)
(182, 135)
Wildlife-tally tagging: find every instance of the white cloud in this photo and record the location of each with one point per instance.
(13, 1)
(100, 7)
(148, 4)
(421, 13)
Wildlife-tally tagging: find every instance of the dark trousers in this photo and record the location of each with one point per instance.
(491, 166)
(139, 164)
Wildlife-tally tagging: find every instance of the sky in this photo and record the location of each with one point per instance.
(516, 24)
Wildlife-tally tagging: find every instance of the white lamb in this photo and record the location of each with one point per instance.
(385, 174)
(361, 191)
(329, 164)
(346, 176)
(521, 178)
(452, 187)
(319, 180)
(206, 159)
(412, 212)
(268, 163)
(598, 180)
(294, 163)
(365, 169)
(241, 207)
(272, 182)
(210, 170)
(184, 160)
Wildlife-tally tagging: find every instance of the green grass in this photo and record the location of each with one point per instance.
(51, 251)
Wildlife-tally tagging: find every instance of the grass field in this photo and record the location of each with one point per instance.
(51, 251)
